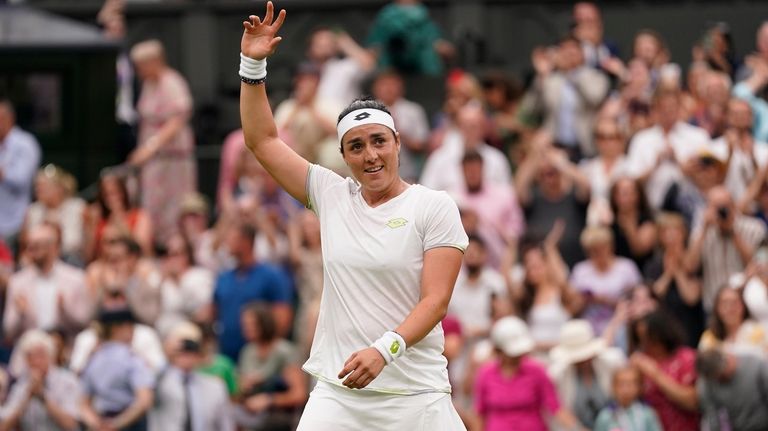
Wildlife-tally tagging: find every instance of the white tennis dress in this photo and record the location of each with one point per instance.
(373, 259)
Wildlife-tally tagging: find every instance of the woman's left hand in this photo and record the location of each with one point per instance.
(361, 368)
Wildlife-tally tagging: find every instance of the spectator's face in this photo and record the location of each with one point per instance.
(646, 48)
(473, 174)
(570, 55)
(38, 359)
(112, 193)
(47, 191)
(535, 266)
(193, 223)
(250, 327)
(626, 386)
(472, 126)
(176, 261)
(625, 195)
(236, 244)
(730, 308)
(388, 89)
(600, 251)
(586, 13)
(310, 227)
(549, 177)
(7, 121)
(322, 46)
(150, 69)
(667, 110)
(305, 88)
(639, 75)
(717, 89)
(609, 140)
(41, 246)
(371, 151)
(475, 256)
(708, 174)
(739, 115)
(672, 235)
(186, 361)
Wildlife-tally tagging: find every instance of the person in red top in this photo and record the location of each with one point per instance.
(669, 370)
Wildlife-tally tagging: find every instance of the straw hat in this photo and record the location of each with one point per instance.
(511, 336)
(577, 343)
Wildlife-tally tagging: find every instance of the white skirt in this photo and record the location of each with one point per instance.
(334, 408)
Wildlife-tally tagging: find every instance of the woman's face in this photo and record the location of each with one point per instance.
(646, 48)
(176, 259)
(609, 140)
(600, 251)
(672, 236)
(112, 193)
(47, 191)
(625, 194)
(535, 266)
(371, 152)
(730, 308)
(250, 326)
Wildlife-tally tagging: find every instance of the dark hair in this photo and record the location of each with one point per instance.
(105, 210)
(525, 303)
(511, 87)
(130, 244)
(471, 156)
(264, 320)
(661, 327)
(247, 231)
(644, 209)
(710, 363)
(365, 102)
(478, 239)
(716, 324)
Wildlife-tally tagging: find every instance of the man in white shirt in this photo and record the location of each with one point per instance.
(659, 154)
(443, 170)
(341, 78)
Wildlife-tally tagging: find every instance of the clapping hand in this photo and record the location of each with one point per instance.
(259, 41)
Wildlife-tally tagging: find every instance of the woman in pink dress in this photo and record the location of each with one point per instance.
(166, 144)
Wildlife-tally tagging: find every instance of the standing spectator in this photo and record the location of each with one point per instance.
(188, 399)
(118, 384)
(669, 370)
(602, 279)
(502, 95)
(165, 149)
(733, 390)
(633, 229)
(404, 37)
(48, 293)
(249, 281)
(723, 242)
(568, 94)
(461, 89)
(411, 120)
(710, 115)
(628, 413)
(588, 29)
(45, 397)
(656, 154)
(754, 78)
(514, 391)
(307, 263)
(688, 194)
(732, 327)
(678, 290)
(19, 158)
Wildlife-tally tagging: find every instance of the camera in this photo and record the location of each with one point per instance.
(723, 212)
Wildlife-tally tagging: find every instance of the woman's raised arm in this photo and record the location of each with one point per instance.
(288, 168)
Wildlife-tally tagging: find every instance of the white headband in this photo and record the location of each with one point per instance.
(363, 116)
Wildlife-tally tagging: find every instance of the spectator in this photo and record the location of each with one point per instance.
(668, 369)
(344, 64)
(45, 397)
(56, 204)
(118, 385)
(723, 242)
(502, 96)
(688, 194)
(19, 158)
(48, 293)
(307, 264)
(755, 292)
(549, 187)
(627, 413)
(710, 115)
(732, 327)
(215, 364)
(113, 207)
(581, 367)
(475, 290)
(404, 37)
(719, 50)
(187, 399)
(633, 229)
(461, 89)
(186, 289)
(443, 170)
(678, 290)
(568, 94)
(754, 78)
(411, 120)
(272, 385)
(733, 390)
(514, 391)
(650, 48)
(194, 222)
(165, 151)
(250, 281)
(656, 154)
(588, 29)
(501, 218)
(635, 305)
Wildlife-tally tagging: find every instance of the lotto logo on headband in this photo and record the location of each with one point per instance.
(360, 117)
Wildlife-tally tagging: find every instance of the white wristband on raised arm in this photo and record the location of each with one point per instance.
(251, 69)
(391, 345)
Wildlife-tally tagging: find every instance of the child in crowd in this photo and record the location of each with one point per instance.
(627, 412)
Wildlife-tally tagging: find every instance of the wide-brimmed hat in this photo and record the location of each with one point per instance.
(577, 343)
(511, 336)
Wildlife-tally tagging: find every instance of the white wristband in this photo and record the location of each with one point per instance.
(391, 346)
(252, 69)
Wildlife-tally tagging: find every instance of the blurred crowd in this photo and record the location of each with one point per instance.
(616, 275)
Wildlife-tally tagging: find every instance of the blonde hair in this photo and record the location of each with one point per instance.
(36, 338)
(670, 219)
(595, 235)
(59, 176)
(148, 50)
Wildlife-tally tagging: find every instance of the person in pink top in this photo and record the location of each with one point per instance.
(514, 392)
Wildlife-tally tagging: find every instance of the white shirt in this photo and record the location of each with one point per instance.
(740, 168)
(471, 301)
(644, 149)
(443, 169)
(412, 123)
(208, 403)
(182, 299)
(756, 298)
(373, 260)
(46, 297)
(341, 81)
(146, 344)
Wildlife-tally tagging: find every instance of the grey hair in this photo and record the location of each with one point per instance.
(36, 338)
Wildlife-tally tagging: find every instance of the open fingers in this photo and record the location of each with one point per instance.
(270, 13)
(353, 380)
(279, 21)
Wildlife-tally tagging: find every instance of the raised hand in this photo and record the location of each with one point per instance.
(259, 40)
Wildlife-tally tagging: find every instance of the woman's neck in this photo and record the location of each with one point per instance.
(374, 199)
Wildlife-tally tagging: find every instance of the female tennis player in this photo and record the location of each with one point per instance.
(391, 254)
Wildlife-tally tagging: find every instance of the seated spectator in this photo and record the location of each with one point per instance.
(113, 207)
(48, 293)
(215, 364)
(501, 95)
(186, 289)
(687, 195)
(649, 47)
(605, 168)
(754, 78)
(250, 281)
(118, 384)
(733, 390)
(710, 115)
(56, 204)
(501, 218)
(636, 304)
(186, 399)
(194, 219)
(19, 158)
(443, 170)
(627, 412)
(602, 279)
(461, 89)
(514, 391)
(633, 229)
(549, 187)
(722, 243)
(581, 367)
(678, 290)
(272, 385)
(411, 120)
(45, 396)
(668, 369)
(732, 327)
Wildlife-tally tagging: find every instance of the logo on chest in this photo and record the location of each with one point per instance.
(396, 223)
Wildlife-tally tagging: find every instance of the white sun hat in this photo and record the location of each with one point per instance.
(577, 343)
(511, 336)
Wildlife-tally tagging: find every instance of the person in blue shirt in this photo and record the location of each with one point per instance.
(250, 281)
